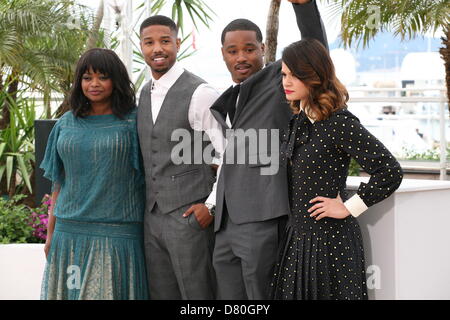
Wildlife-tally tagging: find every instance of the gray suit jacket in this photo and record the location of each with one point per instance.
(249, 195)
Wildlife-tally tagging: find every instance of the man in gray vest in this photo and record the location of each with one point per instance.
(252, 202)
(178, 233)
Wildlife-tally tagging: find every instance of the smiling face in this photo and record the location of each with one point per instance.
(159, 45)
(243, 54)
(97, 87)
(294, 89)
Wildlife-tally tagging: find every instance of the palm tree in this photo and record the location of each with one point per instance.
(272, 27)
(272, 31)
(196, 9)
(93, 37)
(362, 20)
(39, 46)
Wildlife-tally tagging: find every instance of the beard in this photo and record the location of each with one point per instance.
(161, 70)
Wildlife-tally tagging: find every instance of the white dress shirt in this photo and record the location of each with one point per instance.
(199, 115)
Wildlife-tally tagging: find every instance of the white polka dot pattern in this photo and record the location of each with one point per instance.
(325, 259)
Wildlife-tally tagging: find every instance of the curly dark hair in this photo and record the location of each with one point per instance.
(107, 62)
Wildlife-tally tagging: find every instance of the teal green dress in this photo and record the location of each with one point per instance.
(97, 246)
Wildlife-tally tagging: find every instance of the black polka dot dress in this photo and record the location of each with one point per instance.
(325, 259)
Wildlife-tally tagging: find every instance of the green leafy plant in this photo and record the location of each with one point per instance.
(428, 155)
(14, 221)
(40, 43)
(22, 224)
(354, 168)
(196, 9)
(17, 159)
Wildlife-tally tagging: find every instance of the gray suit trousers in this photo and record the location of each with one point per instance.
(178, 255)
(244, 258)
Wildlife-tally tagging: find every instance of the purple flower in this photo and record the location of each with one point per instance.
(47, 200)
(39, 219)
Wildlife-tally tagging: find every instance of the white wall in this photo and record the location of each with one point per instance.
(21, 270)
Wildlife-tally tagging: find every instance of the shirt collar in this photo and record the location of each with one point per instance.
(310, 119)
(170, 77)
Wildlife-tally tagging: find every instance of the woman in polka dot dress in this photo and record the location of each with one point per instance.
(322, 254)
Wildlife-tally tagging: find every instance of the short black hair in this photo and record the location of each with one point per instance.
(159, 20)
(107, 62)
(242, 25)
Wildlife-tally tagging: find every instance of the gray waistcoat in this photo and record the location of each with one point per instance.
(172, 185)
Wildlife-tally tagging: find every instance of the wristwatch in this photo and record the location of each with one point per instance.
(211, 209)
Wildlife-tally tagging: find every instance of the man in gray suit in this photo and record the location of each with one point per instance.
(252, 205)
(178, 231)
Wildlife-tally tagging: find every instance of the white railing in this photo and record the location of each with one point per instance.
(393, 95)
(439, 97)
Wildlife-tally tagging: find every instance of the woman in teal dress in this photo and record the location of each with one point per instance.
(94, 244)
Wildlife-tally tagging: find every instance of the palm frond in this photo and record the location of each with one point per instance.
(405, 18)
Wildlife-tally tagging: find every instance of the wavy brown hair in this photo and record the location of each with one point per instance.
(310, 62)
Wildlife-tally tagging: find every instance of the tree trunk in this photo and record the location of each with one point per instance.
(12, 93)
(1, 78)
(12, 184)
(272, 31)
(30, 199)
(47, 104)
(445, 53)
(3, 189)
(66, 87)
(93, 38)
(63, 107)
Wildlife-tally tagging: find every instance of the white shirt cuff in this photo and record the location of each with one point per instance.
(212, 196)
(211, 199)
(355, 205)
(216, 161)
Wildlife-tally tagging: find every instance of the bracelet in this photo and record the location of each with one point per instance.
(211, 209)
